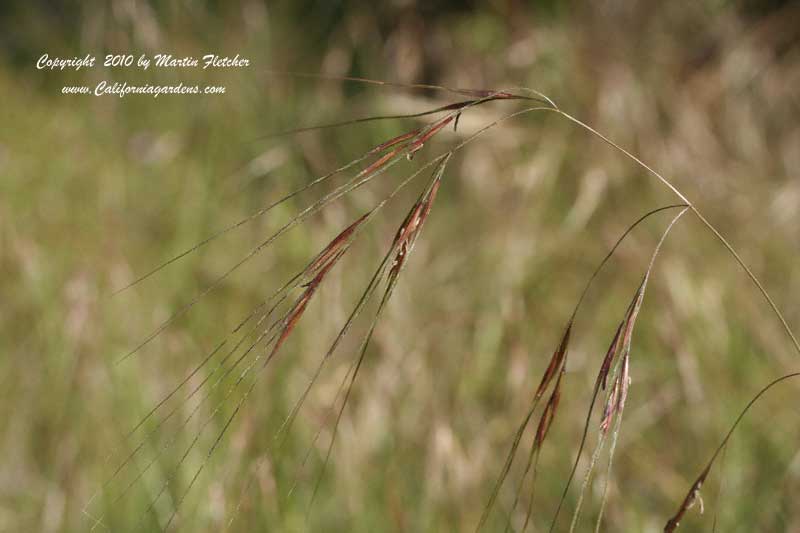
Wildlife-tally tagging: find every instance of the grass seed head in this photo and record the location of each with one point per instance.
(692, 497)
(549, 412)
(602, 377)
(555, 362)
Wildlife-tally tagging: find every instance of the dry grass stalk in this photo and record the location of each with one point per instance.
(693, 496)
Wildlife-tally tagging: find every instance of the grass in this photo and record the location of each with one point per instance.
(445, 378)
(314, 274)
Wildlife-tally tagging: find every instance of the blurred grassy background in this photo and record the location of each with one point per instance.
(97, 190)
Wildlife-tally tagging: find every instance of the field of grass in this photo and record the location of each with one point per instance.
(97, 191)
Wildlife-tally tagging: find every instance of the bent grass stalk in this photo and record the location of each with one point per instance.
(556, 362)
(694, 491)
(388, 154)
(339, 245)
(401, 248)
(615, 399)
